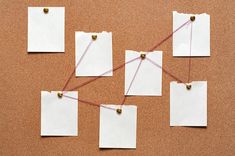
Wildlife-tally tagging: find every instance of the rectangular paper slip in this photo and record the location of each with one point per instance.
(59, 115)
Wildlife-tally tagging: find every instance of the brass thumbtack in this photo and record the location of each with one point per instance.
(94, 37)
(188, 86)
(119, 111)
(192, 18)
(60, 94)
(142, 55)
(45, 10)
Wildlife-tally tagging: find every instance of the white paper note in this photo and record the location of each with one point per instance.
(200, 44)
(118, 130)
(188, 107)
(59, 115)
(46, 30)
(148, 81)
(98, 58)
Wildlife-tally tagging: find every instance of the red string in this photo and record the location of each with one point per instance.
(189, 68)
(89, 81)
(88, 102)
(154, 47)
(137, 69)
(80, 60)
(164, 70)
(122, 65)
(165, 39)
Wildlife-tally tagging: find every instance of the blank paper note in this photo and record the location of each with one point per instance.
(46, 29)
(200, 43)
(188, 107)
(98, 54)
(148, 80)
(59, 116)
(118, 130)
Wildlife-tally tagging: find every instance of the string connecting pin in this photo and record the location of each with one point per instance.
(192, 18)
(94, 37)
(188, 86)
(46, 10)
(119, 111)
(60, 95)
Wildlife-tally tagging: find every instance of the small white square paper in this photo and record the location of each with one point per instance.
(98, 58)
(200, 44)
(59, 115)
(148, 81)
(118, 130)
(46, 30)
(188, 107)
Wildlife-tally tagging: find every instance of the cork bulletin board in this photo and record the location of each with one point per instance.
(136, 25)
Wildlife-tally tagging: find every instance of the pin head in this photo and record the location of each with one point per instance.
(119, 111)
(60, 95)
(94, 37)
(192, 18)
(188, 86)
(45, 10)
(142, 55)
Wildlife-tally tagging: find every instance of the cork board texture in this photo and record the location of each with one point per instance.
(136, 25)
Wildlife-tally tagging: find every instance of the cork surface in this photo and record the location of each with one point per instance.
(136, 25)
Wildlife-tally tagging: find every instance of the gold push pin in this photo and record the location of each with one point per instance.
(188, 86)
(94, 37)
(192, 18)
(142, 55)
(45, 10)
(119, 111)
(60, 94)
